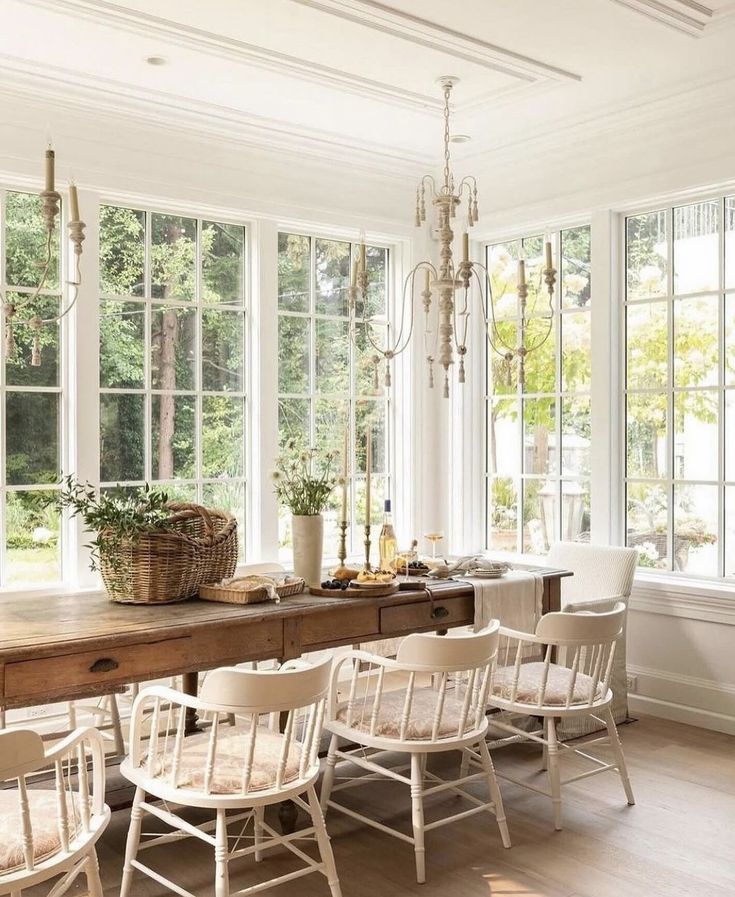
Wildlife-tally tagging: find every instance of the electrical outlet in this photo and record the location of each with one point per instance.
(632, 683)
(37, 712)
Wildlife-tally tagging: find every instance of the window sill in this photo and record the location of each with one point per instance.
(712, 601)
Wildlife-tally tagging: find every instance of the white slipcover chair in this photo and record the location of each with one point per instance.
(603, 576)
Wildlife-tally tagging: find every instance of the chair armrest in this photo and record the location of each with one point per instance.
(519, 636)
(595, 604)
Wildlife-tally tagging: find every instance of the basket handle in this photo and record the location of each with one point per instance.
(177, 506)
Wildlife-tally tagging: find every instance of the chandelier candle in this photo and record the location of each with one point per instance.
(368, 471)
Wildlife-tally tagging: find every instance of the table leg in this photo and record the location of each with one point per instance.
(191, 687)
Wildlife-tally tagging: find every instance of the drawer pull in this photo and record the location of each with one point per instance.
(104, 665)
(439, 612)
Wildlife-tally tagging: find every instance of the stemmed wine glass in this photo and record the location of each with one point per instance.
(434, 538)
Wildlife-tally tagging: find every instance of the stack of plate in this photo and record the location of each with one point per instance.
(496, 571)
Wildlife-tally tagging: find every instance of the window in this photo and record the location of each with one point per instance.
(172, 373)
(31, 397)
(538, 434)
(680, 387)
(325, 378)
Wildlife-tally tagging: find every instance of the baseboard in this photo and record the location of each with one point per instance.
(682, 713)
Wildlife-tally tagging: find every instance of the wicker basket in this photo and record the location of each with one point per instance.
(228, 595)
(169, 565)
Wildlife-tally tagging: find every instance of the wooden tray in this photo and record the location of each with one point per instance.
(388, 588)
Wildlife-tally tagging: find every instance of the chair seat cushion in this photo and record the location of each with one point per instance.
(557, 685)
(421, 718)
(229, 763)
(44, 823)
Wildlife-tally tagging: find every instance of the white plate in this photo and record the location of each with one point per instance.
(488, 574)
(371, 585)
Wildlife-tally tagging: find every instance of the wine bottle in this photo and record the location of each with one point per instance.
(387, 543)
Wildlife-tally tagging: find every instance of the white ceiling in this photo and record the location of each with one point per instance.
(344, 77)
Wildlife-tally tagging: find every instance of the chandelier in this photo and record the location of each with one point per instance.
(448, 286)
(17, 312)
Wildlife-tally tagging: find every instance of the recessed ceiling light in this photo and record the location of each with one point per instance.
(156, 60)
(460, 138)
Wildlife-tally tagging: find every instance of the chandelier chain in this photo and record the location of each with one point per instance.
(447, 93)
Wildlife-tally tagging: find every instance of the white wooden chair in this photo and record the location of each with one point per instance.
(603, 576)
(417, 719)
(48, 833)
(575, 684)
(242, 769)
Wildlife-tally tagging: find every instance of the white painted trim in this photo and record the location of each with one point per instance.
(681, 713)
(685, 16)
(447, 41)
(712, 602)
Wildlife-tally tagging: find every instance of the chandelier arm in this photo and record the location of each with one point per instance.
(490, 319)
(531, 347)
(45, 267)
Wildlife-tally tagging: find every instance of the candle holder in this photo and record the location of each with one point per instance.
(342, 571)
(368, 567)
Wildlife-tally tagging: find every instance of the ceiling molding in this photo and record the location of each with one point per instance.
(412, 28)
(112, 15)
(67, 89)
(687, 16)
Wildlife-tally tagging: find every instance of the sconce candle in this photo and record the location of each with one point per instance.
(73, 203)
(50, 164)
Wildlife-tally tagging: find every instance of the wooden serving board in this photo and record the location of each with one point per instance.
(389, 588)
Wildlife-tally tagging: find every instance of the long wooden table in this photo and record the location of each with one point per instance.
(77, 646)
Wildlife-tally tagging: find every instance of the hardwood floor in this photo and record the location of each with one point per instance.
(678, 840)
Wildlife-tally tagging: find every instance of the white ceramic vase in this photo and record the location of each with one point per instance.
(308, 541)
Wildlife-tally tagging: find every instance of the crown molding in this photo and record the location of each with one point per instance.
(66, 89)
(687, 16)
(416, 30)
(144, 24)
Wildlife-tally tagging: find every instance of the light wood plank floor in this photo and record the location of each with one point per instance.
(678, 840)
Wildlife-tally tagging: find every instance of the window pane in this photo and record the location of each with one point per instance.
(229, 495)
(540, 515)
(122, 436)
(332, 356)
(293, 421)
(730, 531)
(32, 543)
(173, 348)
(26, 242)
(503, 504)
(730, 243)
(364, 353)
(646, 435)
(172, 434)
(647, 345)
(696, 247)
(329, 426)
(222, 351)
(376, 260)
(696, 351)
(503, 437)
(695, 529)
(122, 345)
(730, 340)
(576, 351)
(647, 255)
(173, 256)
(647, 523)
(695, 436)
(332, 277)
(369, 414)
(502, 377)
(539, 436)
(18, 370)
(502, 263)
(122, 251)
(32, 438)
(575, 511)
(541, 360)
(223, 263)
(730, 435)
(575, 267)
(575, 436)
(538, 297)
(293, 354)
(294, 255)
(222, 436)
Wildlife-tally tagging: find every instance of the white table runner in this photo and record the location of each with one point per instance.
(516, 599)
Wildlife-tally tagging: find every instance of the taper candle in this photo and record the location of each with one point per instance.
(549, 259)
(50, 170)
(368, 466)
(465, 247)
(73, 203)
(353, 282)
(345, 469)
(521, 273)
(362, 256)
(427, 280)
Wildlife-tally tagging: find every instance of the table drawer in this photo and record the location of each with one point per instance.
(50, 676)
(351, 623)
(421, 615)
